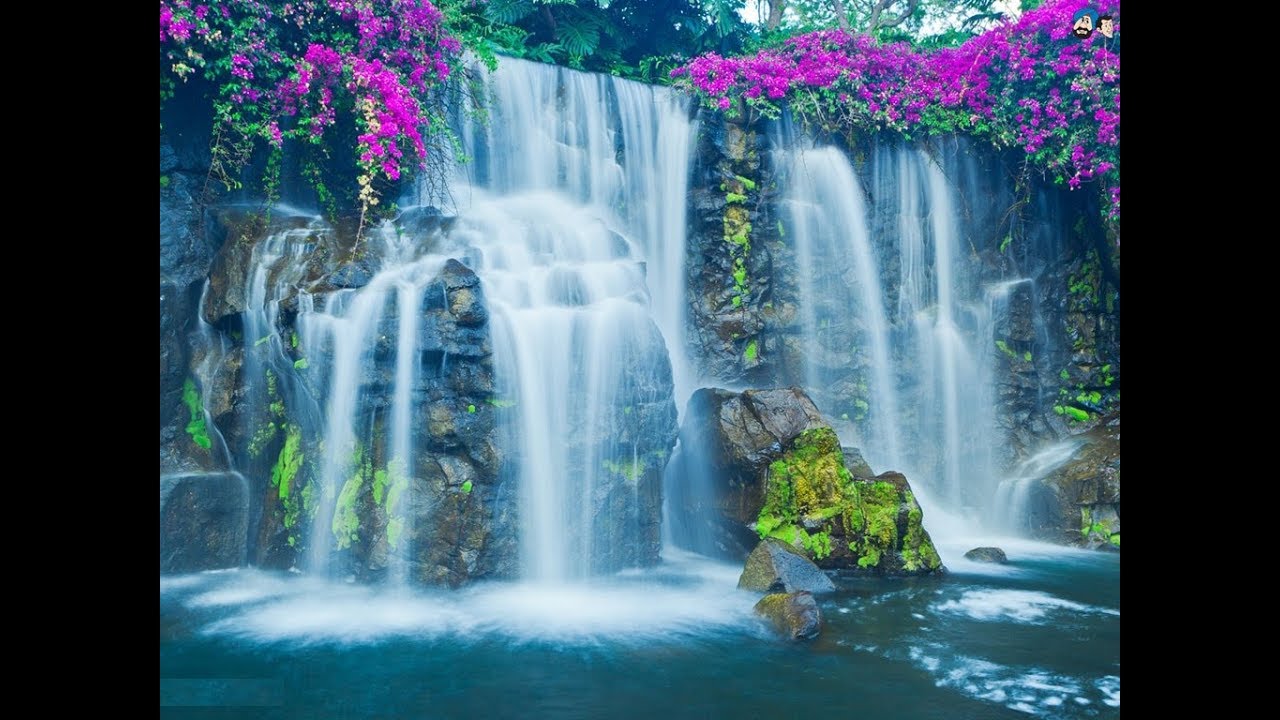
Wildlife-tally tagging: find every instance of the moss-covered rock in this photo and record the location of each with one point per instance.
(795, 615)
(871, 525)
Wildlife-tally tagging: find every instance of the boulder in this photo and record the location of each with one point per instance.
(777, 566)
(795, 615)
(764, 464)
(864, 525)
(987, 555)
(203, 521)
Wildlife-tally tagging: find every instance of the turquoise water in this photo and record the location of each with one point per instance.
(1039, 637)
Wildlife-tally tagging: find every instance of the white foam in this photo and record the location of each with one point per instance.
(1026, 606)
(261, 607)
(1030, 690)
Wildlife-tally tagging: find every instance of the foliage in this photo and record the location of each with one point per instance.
(640, 39)
(1028, 84)
(197, 427)
(289, 70)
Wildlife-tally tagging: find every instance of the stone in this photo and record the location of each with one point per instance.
(203, 521)
(795, 615)
(777, 566)
(987, 555)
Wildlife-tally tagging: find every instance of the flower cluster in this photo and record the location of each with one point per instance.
(287, 69)
(1028, 84)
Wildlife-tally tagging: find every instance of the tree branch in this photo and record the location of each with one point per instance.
(776, 8)
(878, 11)
(842, 17)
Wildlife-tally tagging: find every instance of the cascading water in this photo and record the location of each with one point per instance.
(566, 210)
(828, 221)
(912, 376)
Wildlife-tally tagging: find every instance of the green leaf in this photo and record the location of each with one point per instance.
(508, 11)
(579, 38)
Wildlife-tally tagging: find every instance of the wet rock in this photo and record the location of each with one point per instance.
(987, 555)
(203, 521)
(795, 615)
(1079, 502)
(777, 566)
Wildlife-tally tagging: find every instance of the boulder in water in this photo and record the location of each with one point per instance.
(987, 555)
(795, 615)
(777, 566)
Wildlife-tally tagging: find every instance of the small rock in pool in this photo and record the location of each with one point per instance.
(987, 554)
(795, 615)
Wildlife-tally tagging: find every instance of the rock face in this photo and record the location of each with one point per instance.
(204, 521)
(265, 383)
(775, 566)
(987, 555)
(733, 237)
(1079, 503)
(795, 615)
(455, 518)
(777, 471)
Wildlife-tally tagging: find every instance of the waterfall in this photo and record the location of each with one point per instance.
(574, 221)
(828, 221)
(898, 340)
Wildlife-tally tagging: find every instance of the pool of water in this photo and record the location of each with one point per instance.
(1038, 637)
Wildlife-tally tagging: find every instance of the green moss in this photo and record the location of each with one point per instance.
(395, 531)
(466, 487)
(734, 198)
(1004, 348)
(747, 183)
(861, 407)
(1115, 539)
(293, 339)
(752, 352)
(284, 475)
(1073, 413)
(1004, 244)
(737, 301)
(501, 404)
(740, 276)
(819, 544)
(471, 408)
(1027, 356)
(346, 516)
(917, 550)
(164, 181)
(870, 557)
(196, 426)
(1064, 375)
(1092, 397)
(301, 364)
(262, 438)
(630, 469)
